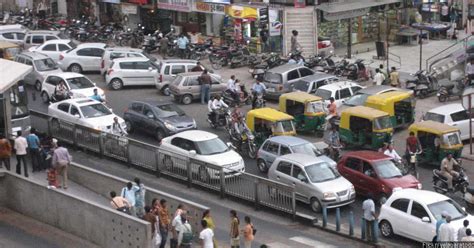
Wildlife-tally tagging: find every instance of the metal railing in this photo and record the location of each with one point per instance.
(160, 161)
(446, 53)
(397, 59)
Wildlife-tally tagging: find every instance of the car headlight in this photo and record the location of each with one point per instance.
(170, 127)
(352, 190)
(329, 195)
(419, 186)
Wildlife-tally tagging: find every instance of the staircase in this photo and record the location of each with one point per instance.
(302, 20)
(448, 59)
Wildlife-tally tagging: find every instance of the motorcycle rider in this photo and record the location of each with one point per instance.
(232, 88)
(334, 142)
(198, 67)
(412, 145)
(117, 129)
(217, 104)
(257, 89)
(61, 92)
(392, 153)
(448, 171)
(332, 109)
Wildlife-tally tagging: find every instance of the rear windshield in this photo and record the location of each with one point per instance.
(324, 94)
(177, 80)
(273, 77)
(301, 86)
(45, 65)
(433, 117)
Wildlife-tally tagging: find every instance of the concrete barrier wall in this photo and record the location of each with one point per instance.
(102, 183)
(100, 225)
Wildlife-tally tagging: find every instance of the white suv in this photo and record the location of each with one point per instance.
(340, 91)
(85, 57)
(131, 71)
(79, 85)
(53, 48)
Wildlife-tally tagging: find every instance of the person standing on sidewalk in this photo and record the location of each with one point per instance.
(34, 149)
(368, 206)
(248, 232)
(5, 152)
(234, 230)
(20, 147)
(205, 81)
(128, 192)
(119, 203)
(206, 216)
(164, 218)
(379, 78)
(139, 197)
(61, 160)
(206, 236)
(394, 78)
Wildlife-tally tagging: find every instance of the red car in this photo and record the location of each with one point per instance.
(374, 172)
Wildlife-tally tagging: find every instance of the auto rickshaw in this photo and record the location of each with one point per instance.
(437, 140)
(8, 50)
(364, 127)
(266, 122)
(307, 109)
(400, 105)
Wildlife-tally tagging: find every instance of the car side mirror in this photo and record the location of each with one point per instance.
(304, 180)
(77, 116)
(192, 153)
(150, 68)
(425, 219)
(151, 116)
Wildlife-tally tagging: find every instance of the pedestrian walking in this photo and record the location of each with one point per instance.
(119, 203)
(5, 152)
(139, 197)
(248, 232)
(468, 237)
(48, 144)
(206, 236)
(164, 218)
(163, 46)
(234, 230)
(183, 42)
(180, 210)
(394, 78)
(182, 232)
(294, 41)
(368, 206)
(439, 222)
(34, 150)
(447, 232)
(150, 217)
(210, 224)
(462, 230)
(264, 39)
(20, 147)
(61, 161)
(205, 81)
(128, 192)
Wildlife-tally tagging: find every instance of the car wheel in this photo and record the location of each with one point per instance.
(262, 166)
(382, 199)
(167, 163)
(38, 86)
(187, 99)
(75, 68)
(129, 126)
(45, 97)
(166, 91)
(160, 134)
(116, 84)
(315, 205)
(386, 229)
(203, 174)
(252, 151)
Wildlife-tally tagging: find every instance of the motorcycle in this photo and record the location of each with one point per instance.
(460, 183)
(452, 89)
(469, 196)
(244, 142)
(357, 70)
(333, 152)
(150, 42)
(200, 51)
(423, 84)
(244, 97)
(242, 57)
(259, 101)
(268, 61)
(219, 118)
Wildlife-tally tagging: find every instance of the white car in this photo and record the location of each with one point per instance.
(85, 57)
(339, 90)
(132, 71)
(85, 112)
(79, 85)
(53, 48)
(204, 147)
(112, 53)
(452, 114)
(413, 214)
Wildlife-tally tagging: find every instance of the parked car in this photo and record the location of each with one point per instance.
(42, 66)
(170, 68)
(38, 37)
(160, 119)
(131, 71)
(185, 87)
(316, 182)
(112, 53)
(277, 146)
(204, 147)
(79, 85)
(413, 214)
(452, 114)
(85, 112)
(310, 84)
(13, 33)
(281, 79)
(53, 48)
(85, 57)
(340, 91)
(374, 173)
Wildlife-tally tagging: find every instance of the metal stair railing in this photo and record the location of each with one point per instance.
(436, 58)
(397, 59)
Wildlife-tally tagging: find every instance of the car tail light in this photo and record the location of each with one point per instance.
(110, 71)
(61, 57)
(161, 78)
(102, 64)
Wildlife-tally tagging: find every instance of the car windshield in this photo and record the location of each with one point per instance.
(95, 110)
(168, 110)
(79, 83)
(386, 169)
(306, 148)
(356, 100)
(211, 147)
(315, 107)
(177, 80)
(324, 94)
(321, 172)
(451, 139)
(433, 117)
(283, 126)
(272, 77)
(451, 208)
(382, 123)
(45, 65)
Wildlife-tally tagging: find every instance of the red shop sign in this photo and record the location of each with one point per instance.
(300, 3)
(138, 1)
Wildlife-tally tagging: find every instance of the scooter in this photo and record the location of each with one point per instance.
(452, 89)
(423, 84)
(222, 120)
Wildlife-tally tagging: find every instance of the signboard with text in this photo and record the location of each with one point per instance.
(212, 8)
(177, 5)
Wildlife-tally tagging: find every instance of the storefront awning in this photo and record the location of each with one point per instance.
(338, 11)
(12, 72)
(242, 12)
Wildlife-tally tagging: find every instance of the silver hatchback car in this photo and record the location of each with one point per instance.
(316, 182)
(42, 67)
(185, 87)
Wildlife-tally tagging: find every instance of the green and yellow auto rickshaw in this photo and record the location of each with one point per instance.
(266, 122)
(400, 105)
(437, 140)
(364, 127)
(307, 109)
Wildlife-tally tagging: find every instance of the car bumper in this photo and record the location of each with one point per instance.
(159, 86)
(272, 95)
(107, 79)
(62, 66)
(338, 203)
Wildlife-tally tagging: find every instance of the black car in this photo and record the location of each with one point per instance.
(160, 119)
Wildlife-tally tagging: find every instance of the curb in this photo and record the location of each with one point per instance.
(468, 158)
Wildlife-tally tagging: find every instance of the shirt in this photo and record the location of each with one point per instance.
(394, 78)
(248, 232)
(164, 216)
(447, 233)
(462, 233)
(447, 165)
(151, 217)
(33, 141)
(332, 108)
(205, 79)
(97, 98)
(61, 154)
(176, 224)
(369, 208)
(129, 194)
(5, 148)
(469, 69)
(140, 195)
(217, 104)
(412, 144)
(118, 202)
(438, 225)
(259, 88)
(117, 129)
(393, 154)
(231, 85)
(379, 78)
(20, 145)
(182, 42)
(206, 236)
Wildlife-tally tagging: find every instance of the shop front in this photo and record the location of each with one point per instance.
(177, 12)
(110, 11)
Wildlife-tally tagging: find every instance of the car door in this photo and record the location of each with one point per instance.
(292, 77)
(85, 58)
(61, 48)
(147, 76)
(30, 77)
(217, 86)
(191, 85)
(461, 120)
(342, 95)
(50, 83)
(76, 116)
(96, 54)
(398, 215)
(352, 171)
(127, 73)
(149, 119)
(368, 180)
(37, 40)
(283, 172)
(135, 115)
(50, 50)
(269, 153)
(418, 229)
(63, 111)
(177, 69)
(300, 181)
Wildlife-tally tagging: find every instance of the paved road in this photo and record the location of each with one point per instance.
(119, 100)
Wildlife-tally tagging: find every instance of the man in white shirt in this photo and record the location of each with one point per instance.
(218, 103)
(128, 193)
(462, 230)
(368, 206)
(468, 237)
(231, 87)
(176, 230)
(205, 236)
(20, 147)
(447, 232)
(379, 77)
(392, 153)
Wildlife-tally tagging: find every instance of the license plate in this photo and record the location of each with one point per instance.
(271, 90)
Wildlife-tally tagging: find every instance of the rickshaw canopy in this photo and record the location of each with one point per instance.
(299, 97)
(433, 127)
(267, 114)
(362, 112)
(6, 44)
(386, 101)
